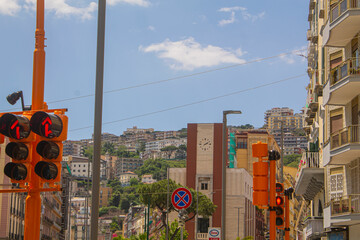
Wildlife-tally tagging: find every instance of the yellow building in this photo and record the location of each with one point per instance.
(244, 141)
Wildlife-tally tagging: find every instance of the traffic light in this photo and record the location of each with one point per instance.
(260, 175)
(17, 128)
(52, 129)
(279, 200)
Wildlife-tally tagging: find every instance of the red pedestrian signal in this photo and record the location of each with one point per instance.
(17, 128)
(52, 128)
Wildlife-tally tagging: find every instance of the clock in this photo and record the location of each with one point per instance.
(205, 144)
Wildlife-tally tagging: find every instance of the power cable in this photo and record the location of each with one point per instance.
(175, 78)
(193, 103)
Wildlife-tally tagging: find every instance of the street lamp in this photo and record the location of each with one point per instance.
(223, 182)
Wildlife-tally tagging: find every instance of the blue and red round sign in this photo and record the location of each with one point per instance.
(181, 198)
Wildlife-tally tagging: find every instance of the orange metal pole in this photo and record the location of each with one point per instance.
(272, 229)
(287, 217)
(33, 200)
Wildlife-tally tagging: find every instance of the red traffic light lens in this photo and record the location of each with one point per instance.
(279, 188)
(13, 126)
(279, 200)
(46, 125)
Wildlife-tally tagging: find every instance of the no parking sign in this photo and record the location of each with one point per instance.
(181, 198)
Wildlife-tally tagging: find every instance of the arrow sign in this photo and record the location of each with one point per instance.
(181, 198)
(47, 123)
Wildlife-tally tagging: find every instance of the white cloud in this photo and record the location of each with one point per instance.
(188, 54)
(293, 56)
(62, 9)
(151, 28)
(141, 3)
(244, 13)
(9, 7)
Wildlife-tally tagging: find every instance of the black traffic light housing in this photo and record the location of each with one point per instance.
(17, 128)
(52, 129)
(279, 201)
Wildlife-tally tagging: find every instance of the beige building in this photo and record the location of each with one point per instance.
(126, 177)
(203, 173)
(244, 141)
(329, 178)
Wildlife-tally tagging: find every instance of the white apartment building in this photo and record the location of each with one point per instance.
(159, 144)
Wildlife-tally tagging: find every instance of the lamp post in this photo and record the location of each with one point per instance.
(223, 182)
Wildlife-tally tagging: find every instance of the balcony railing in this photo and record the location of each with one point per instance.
(347, 68)
(344, 136)
(202, 236)
(346, 205)
(308, 160)
(341, 7)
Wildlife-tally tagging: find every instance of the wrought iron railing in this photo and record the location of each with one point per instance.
(346, 205)
(342, 6)
(344, 136)
(202, 236)
(346, 68)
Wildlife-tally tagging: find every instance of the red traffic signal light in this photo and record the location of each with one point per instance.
(279, 200)
(46, 125)
(17, 128)
(14, 126)
(53, 130)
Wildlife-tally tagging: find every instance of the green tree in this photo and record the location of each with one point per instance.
(89, 152)
(108, 147)
(292, 160)
(174, 231)
(156, 167)
(134, 182)
(115, 198)
(156, 195)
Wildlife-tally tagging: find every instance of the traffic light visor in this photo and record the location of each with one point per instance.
(13, 126)
(15, 171)
(46, 125)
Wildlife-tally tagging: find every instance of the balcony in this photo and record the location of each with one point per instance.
(346, 210)
(310, 177)
(343, 23)
(314, 227)
(343, 84)
(344, 146)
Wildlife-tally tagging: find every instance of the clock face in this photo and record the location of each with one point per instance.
(205, 144)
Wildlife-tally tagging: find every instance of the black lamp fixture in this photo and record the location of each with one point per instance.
(14, 97)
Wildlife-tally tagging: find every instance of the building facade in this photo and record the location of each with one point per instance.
(328, 178)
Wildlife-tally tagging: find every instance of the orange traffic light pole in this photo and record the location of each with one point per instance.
(287, 217)
(272, 205)
(33, 200)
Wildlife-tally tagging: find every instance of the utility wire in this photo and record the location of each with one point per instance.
(294, 52)
(193, 103)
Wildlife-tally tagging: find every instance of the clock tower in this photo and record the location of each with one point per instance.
(204, 168)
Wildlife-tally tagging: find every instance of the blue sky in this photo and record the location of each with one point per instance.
(160, 55)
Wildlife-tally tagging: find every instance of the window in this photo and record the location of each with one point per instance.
(204, 186)
(203, 225)
(242, 143)
(336, 183)
(84, 170)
